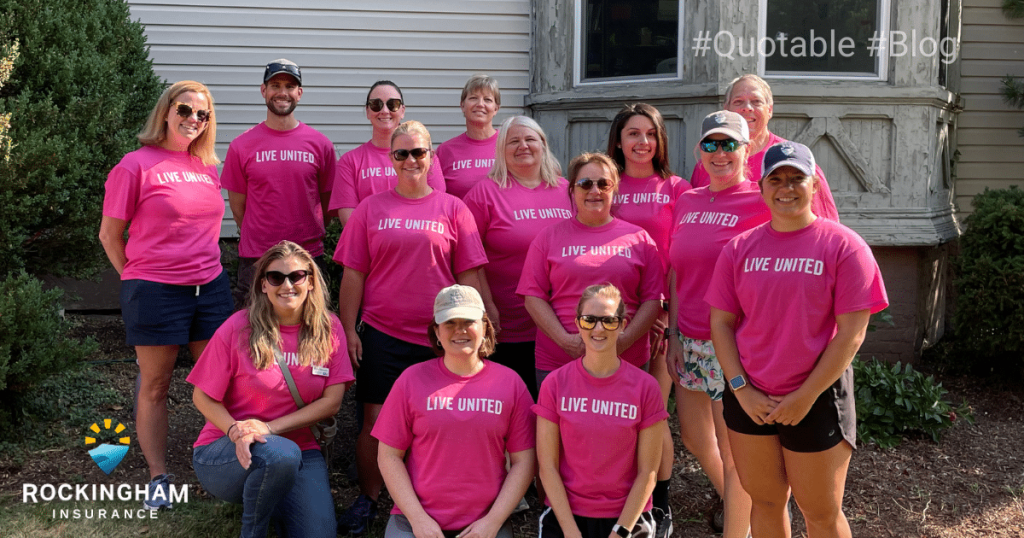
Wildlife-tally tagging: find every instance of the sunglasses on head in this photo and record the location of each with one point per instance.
(403, 154)
(276, 278)
(603, 185)
(610, 323)
(186, 112)
(728, 145)
(376, 104)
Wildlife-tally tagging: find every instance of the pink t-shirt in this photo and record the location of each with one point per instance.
(569, 256)
(174, 207)
(648, 202)
(282, 174)
(455, 431)
(368, 170)
(509, 220)
(787, 289)
(225, 372)
(823, 205)
(409, 250)
(465, 162)
(704, 222)
(599, 422)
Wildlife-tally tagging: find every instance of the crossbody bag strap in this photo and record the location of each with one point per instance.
(288, 378)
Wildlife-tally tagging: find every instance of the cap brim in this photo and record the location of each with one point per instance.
(728, 132)
(791, 163)
(459, 312)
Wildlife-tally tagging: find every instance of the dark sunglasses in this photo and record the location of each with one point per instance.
(603, 185)
(728, 145)
(186, 112)
(376, 104)
(403, 154)
(276, 278)
(610, 323)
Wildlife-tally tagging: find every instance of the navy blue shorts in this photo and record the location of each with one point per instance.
(158, 314)
(384, 359)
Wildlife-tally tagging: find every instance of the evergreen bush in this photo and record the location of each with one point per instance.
(989, 317)
(79, 92)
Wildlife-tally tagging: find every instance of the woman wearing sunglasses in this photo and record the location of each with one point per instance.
(445, 428)
(524, 195)
(399, 249)
(600, 422)
(706, 219)
(174, 290)
(790, 304)
(466, 158)
(367, 170)
(591, 247)
(257, 439)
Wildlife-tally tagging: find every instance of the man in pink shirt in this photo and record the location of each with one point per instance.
(279, 176)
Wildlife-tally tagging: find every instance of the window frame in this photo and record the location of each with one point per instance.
(578, 54)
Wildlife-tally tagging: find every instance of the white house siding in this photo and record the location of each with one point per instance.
(991, 152)
(428, 47)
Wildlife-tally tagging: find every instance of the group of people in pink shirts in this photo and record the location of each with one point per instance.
(504, 324)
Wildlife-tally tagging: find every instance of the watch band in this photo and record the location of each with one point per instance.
(621, 531)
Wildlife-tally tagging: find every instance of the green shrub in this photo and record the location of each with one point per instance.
(79, 92)
(989, 318)
(894, 401)
(33, 338)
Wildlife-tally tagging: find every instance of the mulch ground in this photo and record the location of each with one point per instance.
(971, 484)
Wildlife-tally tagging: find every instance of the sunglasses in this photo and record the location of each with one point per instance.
(610, 323)
(186, 112)
(403, 154)
(276, 278)
(728, 145)
(603, 185)
(376, 104)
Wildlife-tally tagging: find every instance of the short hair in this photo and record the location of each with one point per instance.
(384, 83)
(606, 290)
(583, 159)
(757, 81)
(486, 348)
(155, 131)
(480, 82)
(549, 167)
(410, 128)
(660, 160)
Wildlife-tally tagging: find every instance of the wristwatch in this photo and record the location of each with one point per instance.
(738, 382)
(621, 531)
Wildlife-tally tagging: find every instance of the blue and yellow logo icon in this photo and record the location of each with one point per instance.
(108, 456)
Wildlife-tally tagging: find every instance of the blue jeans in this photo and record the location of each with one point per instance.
(281, 482)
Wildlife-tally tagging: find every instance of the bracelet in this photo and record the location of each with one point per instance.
(233, 424)
(671, 332)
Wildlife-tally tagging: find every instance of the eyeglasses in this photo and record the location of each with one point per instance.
(403, 154)
(610, 323)
(276, 278)
(603, 185)
(376, 104)
(728, 145)
(186, 112)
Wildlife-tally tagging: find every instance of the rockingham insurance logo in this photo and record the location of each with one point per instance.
(108, 456)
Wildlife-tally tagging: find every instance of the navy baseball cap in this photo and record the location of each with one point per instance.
(788, 153)
(282, 66)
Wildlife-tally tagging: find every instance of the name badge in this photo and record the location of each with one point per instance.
(321, 371)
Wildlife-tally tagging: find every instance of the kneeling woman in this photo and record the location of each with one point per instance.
(785, 330)
(257, 448)
(446, 426)
(600, 422)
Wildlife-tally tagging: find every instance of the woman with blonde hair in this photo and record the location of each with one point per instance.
(466, 158)
(257, 448)
(174, 290)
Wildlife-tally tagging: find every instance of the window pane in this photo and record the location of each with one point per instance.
(630, 38)
(822, 36)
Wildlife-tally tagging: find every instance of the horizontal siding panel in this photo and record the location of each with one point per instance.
(990, 67)
(1008, 34)
(984, 51)
(992, 154)
(1007, 119)
(496, 7)
(428, 60)
(277, 26)
(982, 135)
(991, 170)
(984, 85)
(972, 188)
(991, 14)
(420, 42)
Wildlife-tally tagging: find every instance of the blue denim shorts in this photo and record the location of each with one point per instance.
(157, 314)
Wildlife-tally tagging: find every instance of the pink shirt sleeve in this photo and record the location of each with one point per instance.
(353, 245)
(469, 250)
(343, 195)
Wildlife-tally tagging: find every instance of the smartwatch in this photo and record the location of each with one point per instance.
(738, 382)
(621, 531)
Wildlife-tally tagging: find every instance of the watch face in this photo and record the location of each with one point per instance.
(737, 382)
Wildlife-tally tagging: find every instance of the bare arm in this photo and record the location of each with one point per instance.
(675, 348)
(350, 297)
(477, 279)
(520, 473)
(640, 325)
(549, 446)
(236, 201)
(723, 335)
(396, 475)
(344, 213)
(648, 456)
(325, 200)
(546, 319)
(112, 239)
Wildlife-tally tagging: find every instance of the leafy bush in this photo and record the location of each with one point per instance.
(989, 317)
(79, 92)
(894, 401)
(33, 338)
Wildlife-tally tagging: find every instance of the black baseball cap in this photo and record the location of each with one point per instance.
(282, 66)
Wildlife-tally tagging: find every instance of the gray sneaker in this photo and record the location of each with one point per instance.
(158, 495)
(662, 522)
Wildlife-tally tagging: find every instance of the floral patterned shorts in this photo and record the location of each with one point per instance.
(699, 370)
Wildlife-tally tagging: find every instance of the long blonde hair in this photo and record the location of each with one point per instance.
(155, 131)
(316, 338)
(549, 167)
